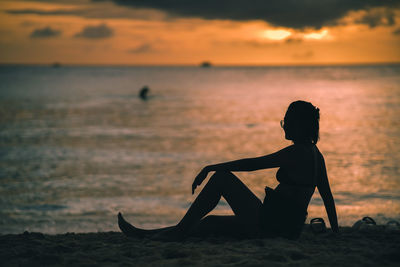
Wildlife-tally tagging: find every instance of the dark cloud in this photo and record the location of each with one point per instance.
(297, 14)
(46, 32)
(55, 12)
(288, 13)
(144, 48)
(96, 32)
(96, 11)
(396, 32)
(378, 17)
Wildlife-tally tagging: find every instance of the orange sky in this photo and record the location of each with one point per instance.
(103, 32)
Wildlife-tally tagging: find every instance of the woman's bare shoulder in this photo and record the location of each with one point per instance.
(291, 155)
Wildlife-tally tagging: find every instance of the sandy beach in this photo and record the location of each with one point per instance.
(377, 247)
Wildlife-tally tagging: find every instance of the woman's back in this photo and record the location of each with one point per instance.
(303, 166)
(298, 180)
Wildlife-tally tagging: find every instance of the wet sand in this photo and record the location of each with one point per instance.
(378, 247)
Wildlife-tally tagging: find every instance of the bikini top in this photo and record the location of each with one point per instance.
(284, 178)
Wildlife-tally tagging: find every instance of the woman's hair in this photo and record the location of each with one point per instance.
(302, 122)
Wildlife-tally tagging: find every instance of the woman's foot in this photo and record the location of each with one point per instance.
(128, 229)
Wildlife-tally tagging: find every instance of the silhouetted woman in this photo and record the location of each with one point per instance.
(284, 210)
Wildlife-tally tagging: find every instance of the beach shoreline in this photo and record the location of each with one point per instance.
(375, 247)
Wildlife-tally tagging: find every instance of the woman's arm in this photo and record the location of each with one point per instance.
(280, 158)
(277, 159)
(326, 194)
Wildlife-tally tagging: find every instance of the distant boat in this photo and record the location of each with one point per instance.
(205, 64)
(56, 65)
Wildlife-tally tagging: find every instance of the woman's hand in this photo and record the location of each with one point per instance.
(199, 178)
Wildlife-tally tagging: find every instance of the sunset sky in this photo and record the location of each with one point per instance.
(224, 32)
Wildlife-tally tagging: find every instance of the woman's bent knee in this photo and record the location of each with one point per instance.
(223, 175)
(223, 178)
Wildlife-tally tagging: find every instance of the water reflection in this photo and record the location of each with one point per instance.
(81, 139)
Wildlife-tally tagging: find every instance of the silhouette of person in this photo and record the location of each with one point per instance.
(284, 209)
(143, 93)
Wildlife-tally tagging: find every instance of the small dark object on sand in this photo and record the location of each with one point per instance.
(318, 225)
(143, 93)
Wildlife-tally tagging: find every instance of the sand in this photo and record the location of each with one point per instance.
(377, 247)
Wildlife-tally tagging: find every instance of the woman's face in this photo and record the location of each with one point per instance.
(288, 126)
(285, 126)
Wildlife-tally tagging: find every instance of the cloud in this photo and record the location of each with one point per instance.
(396, 32)
(94, 11)
(54, 12)
(293, 40)
(378, 17)
(297, 14)
(144, 48)
(96, 32)
(287, 13)
(46, 32)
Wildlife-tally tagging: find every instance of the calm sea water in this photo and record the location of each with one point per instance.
(77, 145)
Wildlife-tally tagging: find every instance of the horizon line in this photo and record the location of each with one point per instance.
(60, 64)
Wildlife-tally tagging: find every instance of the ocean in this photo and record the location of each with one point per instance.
(77, 144)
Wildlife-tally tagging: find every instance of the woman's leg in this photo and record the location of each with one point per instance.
(245, 205)
(132, 231)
